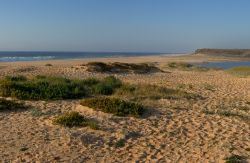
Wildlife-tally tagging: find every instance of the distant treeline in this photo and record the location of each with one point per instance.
(225, 52)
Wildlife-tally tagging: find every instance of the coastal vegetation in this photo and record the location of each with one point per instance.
(185, 66)
(172, 104)
(115, 106)
(56, 88)
(48, 64)
(74, 119)
(9, 105)
(117, 67)
(235, 159)
(153, 92)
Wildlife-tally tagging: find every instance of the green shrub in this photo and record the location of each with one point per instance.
(120, 143)
(48, 64)
(138, 92)
(112, 81)
(55, 88)
(235, 159)
(118, 67)
(106, 86)
(115, 106)
(186, 66)
(90, 81)
(8, 105)
(42, 88)
(16, 78)
(74, 119)
(103, 89)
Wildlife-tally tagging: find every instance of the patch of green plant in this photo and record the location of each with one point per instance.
(41, 87)
(74, 119)
(120, 143)
(103, 89)
(140, 92)
(8, 105)
(24, 148)
(56, 88)
(118, 67)
(185, 66)
(107, 86)
(242, 71)
(16, 78)
(48, 64)
(235, 159)
(115, 106)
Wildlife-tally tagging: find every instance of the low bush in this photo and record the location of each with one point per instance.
(138, 92)
(16, 78)
(120, 143)
(235, 159)
(186, 66)
(106, 86)
(115, 106)
(118, 67)
(48, 65)
(103, 89)
(74, 119)
(42, 88)
(56, 88)
(8, 105)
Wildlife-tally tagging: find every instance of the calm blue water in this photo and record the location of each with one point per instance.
(35, 56)
(225, 65)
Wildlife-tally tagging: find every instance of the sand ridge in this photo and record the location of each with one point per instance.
(175, 131)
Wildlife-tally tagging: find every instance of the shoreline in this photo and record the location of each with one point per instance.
(161, 59)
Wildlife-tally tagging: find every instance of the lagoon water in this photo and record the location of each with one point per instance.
(225, 65)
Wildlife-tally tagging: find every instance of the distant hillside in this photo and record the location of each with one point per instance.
(225, 52)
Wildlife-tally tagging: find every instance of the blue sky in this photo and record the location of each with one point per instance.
(123, 25)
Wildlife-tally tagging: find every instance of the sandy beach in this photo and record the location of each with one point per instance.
(172, 130)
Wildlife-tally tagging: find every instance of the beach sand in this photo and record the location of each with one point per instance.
(175, 131)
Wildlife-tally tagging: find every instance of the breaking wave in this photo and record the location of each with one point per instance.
(15, 59)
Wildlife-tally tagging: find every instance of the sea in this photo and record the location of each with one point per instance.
(38, 56)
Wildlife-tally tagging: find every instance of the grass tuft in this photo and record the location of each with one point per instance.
(120, 143)
(185, 66)
(8, 105)
(115, 106)
(235, 159)
(140, 92)
(56, 88)
(74, 119)
(48, 65)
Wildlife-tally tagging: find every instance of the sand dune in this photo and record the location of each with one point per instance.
(179, 130)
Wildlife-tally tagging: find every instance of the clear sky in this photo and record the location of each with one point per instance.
(123, 25)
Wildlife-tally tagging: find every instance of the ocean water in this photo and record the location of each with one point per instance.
(225, 65)
(37, 56)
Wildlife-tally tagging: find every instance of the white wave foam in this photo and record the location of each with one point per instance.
(14, 59)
